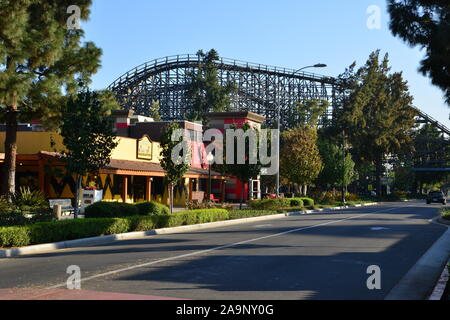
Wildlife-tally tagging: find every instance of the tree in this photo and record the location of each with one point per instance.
(154, 110)
(300, 160)
(39, 58)
(204, 91)
(308, 113)
(426, 23)
(88, 134)
(174, 164)
(377, 117)
(243, 163)
(337, 169)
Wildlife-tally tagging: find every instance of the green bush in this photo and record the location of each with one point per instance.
(144, 223)
(152, 208)
(308, 202)
(296, 202)
(270, 204)
(15, 236)
(47, 232)
(111, 210)
(190, 217)
(5, 206)
(28, 198)
(445, 213)
(13, 219)
(16, 218)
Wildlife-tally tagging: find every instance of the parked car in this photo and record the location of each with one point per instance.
(436, 197)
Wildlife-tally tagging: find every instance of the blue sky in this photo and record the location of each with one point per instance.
(286, 33)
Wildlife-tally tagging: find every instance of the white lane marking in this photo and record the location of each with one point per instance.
(196, 253)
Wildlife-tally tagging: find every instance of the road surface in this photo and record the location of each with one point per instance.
(318, 256)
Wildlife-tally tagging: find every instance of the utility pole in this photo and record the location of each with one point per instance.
(278, 144)
(343, 168)
(278, 106)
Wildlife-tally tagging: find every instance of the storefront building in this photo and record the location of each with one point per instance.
(134, 173)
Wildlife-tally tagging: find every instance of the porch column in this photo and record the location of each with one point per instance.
(191, 186)
(125, 189)
(148, 189)
(41, 177)
(222, 190)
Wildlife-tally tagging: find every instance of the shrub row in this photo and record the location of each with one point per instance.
(152, 208)
(105, 209)
(57, 231)
(275, 204)
(242, 214)
(270, 204)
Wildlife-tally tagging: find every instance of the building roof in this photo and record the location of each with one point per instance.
(123, 166)
(236, 115)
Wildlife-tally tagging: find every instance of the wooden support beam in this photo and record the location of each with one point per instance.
(222, 190)
(191, 186)
(41, 177)
(148, 189)
(125, 189)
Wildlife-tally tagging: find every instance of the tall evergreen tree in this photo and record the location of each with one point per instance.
(426, 23)
(308, 113)
(377, 116)
(204, 91)
(39, 58)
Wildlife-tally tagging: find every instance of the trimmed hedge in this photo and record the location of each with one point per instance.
(241, 214)
(152, 208)
(196, 217)
(275, 204)
(57, 231)
(308, 202)
(296, 202)
(105, 209)
(270, 204)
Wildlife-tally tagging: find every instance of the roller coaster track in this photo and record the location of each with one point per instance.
(260, 88)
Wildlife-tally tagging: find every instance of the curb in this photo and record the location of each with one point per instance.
(420, 281)
(439, 289)
(80, 243)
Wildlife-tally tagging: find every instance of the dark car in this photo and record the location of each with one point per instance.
(436, 197)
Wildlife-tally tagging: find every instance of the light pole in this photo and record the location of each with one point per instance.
(277, 104)
(343, 168)
(318, 65)
(210, 159)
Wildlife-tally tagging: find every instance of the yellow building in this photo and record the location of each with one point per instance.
(134, 173)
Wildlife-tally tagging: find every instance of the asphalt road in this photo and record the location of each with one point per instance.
(319, 256)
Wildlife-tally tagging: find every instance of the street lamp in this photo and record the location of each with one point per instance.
(277, 103)
(210, 159)
(318, 65)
